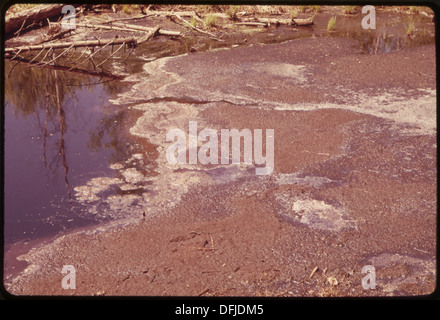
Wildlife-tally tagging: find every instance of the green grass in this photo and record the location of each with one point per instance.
(413, 9)
(130, 8)
(210, 20)
(410, 29)
(302, 9)
(232, 12)
(294, 13)
(331, 24)
(314, 9)
(193, 22)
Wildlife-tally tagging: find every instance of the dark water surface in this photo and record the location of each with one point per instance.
(60, 131)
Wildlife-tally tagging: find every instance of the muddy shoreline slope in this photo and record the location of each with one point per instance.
(354, 182)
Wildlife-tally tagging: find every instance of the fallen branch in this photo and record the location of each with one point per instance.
(142, 28)
(100, 26)
(226, 16)
(174, 13)
(187, 24)
(86, 43)
(252, 24)
(275, 21)
(102, 62)
(101, 74)
(55, 36)
(266, 21)
(151, 34)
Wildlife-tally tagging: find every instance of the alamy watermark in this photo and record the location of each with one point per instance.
(68, 21)
(213, 153)
(369, 21)
(369, 281)
(69, 280)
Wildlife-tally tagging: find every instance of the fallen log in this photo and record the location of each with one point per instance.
(171, 13)
(85, 43)
(266, 21)
(142, 28)
(274, 21)
(101, 26)
(26, 18)
(252, 24)
(60, 45)
(95, 73)
(302, 22)
(192, 14)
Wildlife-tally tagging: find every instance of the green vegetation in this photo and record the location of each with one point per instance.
(302, 9)
(193, 22)
(294, 13)
(314, 9)
(131, 8)
(16, 8)
(331, 24)
(210, 20)
(413, 9)
(411, 29)
(232, 12)
(349, 9)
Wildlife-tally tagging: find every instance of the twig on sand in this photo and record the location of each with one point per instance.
(203, 292)
(313, 272)
(207, 249)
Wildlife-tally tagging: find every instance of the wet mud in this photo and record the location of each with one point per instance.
(354, 180)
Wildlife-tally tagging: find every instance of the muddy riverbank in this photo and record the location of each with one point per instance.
(350, 188)
(354, 180)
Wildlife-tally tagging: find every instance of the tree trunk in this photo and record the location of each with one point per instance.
(31, 16)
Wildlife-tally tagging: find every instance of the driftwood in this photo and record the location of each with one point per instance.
(187, 24)
(172, 13)
(142, 28)
(127, 27)
(55, 36)
(265, 21)
(67, 44)
(252, 24)
(101, 26)
(26, 18)
(302, 22)
(85, 43)
(13, 53)
(192, 14)
(274, 21)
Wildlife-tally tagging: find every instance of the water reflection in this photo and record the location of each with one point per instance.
(60, 130)
(390, 35)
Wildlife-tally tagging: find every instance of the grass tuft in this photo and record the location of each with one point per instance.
(411, 29)
(232, 12)
(331, 24)
(210, 20)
